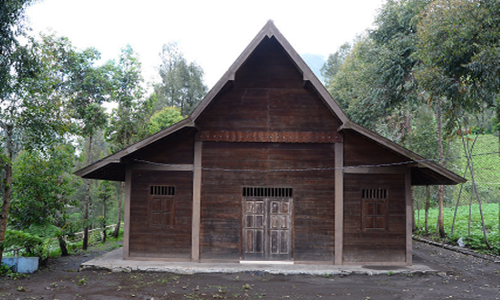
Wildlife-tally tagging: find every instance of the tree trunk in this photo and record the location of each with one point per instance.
(413, 225)
(7, 185)
(119, 219)
(63, 246)
(470, 164)
(461, 189)
(470, 212)
(427, 206)
(440, 222)
(458, 202)
(87, 200)
(104, 234)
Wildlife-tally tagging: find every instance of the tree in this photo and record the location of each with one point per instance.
(90, 87)
(381, 77)
(182, 82)
(164, 118)
(352, 84)
(42, 184)
(132, 111)
(106, 193)
(334, 63)
(459, 46)
(31, 109)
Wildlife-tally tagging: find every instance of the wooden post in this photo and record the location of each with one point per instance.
(409, 211)
(339, 202)
(126, 219)
(195, 230)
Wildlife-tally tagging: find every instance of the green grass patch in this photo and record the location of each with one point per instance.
(461, 228)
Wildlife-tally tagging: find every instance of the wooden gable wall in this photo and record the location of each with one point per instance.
(268, 95)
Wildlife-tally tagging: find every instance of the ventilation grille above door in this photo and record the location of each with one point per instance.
(374, 193)
(162, 190)
(267, 192)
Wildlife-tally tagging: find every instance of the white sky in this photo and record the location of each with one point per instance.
(212, 33)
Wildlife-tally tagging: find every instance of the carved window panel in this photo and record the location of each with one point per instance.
(162, 206)
(374, 215)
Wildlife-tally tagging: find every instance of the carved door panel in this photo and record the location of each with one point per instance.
(254, 229)
(267, 228)
(280, 229)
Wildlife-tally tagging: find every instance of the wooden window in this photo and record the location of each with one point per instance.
(162, 206)
(374, 209)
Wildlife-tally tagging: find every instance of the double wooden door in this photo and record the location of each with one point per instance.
(267, 228)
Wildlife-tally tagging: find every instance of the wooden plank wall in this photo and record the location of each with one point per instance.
(222, 195)
(268, 95)
(176, 149)
(359, 150)
(161, 242)
(374, 246)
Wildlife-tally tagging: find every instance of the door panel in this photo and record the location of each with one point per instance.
(253, 229)
(267, 228)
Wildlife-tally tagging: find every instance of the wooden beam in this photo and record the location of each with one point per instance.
(271, 136)
(195, 230)
(126, 226)
(339, 202)
(161, 167)
(374, 170)
(409, 219)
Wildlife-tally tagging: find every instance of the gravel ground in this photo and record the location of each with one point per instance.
(460, 277)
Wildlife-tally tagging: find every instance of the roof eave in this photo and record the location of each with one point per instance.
(116, 157)
(403, 151)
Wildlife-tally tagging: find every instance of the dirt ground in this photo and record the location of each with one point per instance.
(461, 277)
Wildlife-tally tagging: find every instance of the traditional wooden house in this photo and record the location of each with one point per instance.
(269, 168)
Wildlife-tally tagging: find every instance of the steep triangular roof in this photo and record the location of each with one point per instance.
(113, 165)
(270, 30)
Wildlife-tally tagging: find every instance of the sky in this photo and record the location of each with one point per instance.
(211, 33)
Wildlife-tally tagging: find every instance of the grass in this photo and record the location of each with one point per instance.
(486, 162)
(461, 228)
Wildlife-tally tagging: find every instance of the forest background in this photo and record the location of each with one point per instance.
(427, 76)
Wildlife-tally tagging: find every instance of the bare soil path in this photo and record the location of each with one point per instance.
(466, 277)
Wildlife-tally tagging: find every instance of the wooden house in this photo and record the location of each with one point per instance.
(269, 168)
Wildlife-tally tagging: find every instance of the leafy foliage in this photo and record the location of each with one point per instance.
(128, 119)
(41, 187)
(334, 62)
(164, 118)
(182, 82)
(458, 43)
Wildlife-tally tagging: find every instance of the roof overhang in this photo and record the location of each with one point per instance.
(112, 167)
(424, 171)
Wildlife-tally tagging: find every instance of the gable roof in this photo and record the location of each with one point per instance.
(270, 30)
(112, 168)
